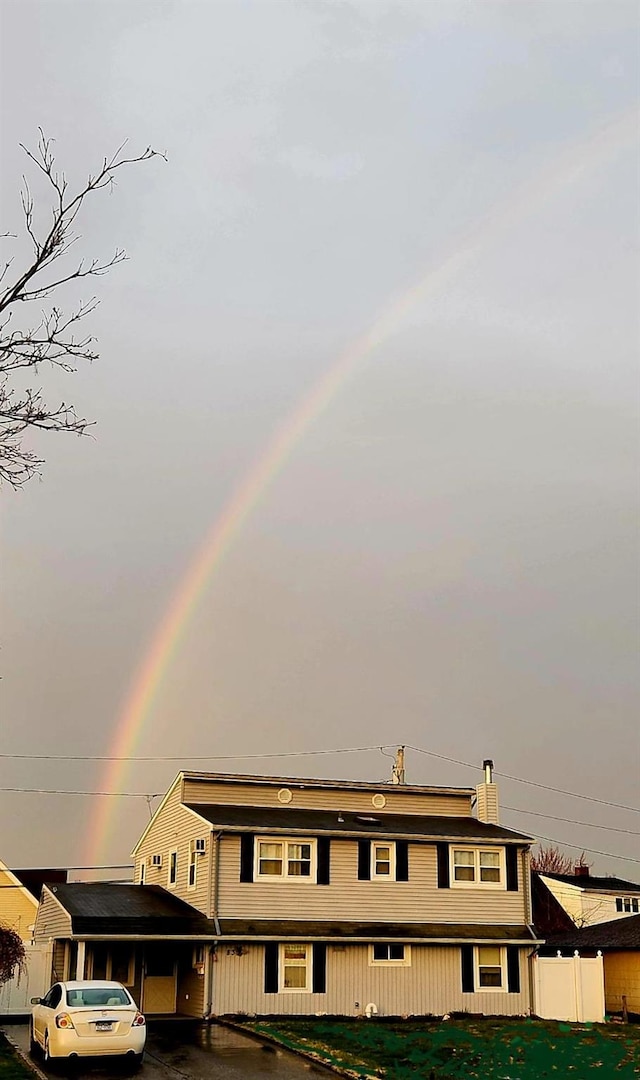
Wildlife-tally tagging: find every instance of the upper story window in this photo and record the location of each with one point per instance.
(173, 869)
(192, 872)
(142, 872)
(290, 859)
(383, 861)
(477, 866)
(627, 903)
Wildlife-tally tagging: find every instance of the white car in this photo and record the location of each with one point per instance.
(87, 1018)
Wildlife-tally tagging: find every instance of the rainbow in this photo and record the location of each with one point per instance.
(569, 166)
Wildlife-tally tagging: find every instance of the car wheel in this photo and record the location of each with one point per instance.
(132, 1063)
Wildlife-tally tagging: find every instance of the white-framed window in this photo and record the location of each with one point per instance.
(478, 866)
(141, 874)
(192, 871)
(392, 954)
(627, 904)
(198, 958)
(294, 860)
(491, 968)
(172, 875)
(295, 968)
(383, 860)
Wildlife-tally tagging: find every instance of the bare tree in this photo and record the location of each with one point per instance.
(552, 860)
(12, 953)
(51, 336)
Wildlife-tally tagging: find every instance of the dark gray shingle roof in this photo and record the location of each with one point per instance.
(614, 934)
(342, 929)
(103, 908)
(602, 884)
(311, 822)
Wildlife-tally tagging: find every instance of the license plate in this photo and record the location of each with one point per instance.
(104, 1025)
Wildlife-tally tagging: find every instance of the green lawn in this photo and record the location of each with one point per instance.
(11, 1068)
(470, 1049)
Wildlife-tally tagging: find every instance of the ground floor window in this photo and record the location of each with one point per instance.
(490, 967)
(392, 954)
(295, 967)
(115, 962)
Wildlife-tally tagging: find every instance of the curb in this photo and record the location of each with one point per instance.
(26, 1059)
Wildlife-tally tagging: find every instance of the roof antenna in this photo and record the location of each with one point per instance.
(397, 769)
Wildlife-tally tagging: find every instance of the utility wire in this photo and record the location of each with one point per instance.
(57, 791)
(581, 847)
(570, 821)
(521, 780)
(196, 757)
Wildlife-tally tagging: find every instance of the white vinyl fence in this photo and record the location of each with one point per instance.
(569, 987)
(34, 981)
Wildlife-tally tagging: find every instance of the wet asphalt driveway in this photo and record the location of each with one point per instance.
(183, 1050)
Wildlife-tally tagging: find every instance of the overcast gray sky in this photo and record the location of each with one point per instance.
(448, 557)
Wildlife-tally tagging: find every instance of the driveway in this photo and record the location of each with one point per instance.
(184, 1050)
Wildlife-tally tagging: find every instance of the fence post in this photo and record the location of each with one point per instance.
(577, 979)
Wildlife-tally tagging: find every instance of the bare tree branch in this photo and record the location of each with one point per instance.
(51, 339)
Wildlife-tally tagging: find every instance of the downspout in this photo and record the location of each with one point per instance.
(212, 904)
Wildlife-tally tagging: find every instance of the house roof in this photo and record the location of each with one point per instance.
(33, 880)
(341, 929)
(621, 933)
(103, 908)
(600, 884)
(332, 785)
(288, 820)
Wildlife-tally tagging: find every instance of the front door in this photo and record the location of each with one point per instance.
(159, 989)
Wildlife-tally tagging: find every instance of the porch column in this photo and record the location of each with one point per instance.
(80, 960)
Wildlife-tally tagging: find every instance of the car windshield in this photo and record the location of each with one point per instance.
(97, 996)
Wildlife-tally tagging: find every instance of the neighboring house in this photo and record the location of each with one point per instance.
(589, 899)
(19, 896)
(549, 916)
(266, 895)
(619, 942)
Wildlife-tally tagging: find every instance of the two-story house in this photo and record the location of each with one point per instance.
(270, 895)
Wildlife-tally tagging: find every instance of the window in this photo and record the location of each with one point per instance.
(113, 962)
(292, 859)
(396, 955)
(490, 967)
(295, 967)
(173, 868)
(383, 861)
(627, 903)
(193, 862)
(142, 872)
(477, 866)
(634, 905)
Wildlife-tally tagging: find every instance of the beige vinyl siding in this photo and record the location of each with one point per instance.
(622, 976)
(17, 906)
(58, 961)
(191, 992)
(432, 984)
(348, 899)
(52, 921)
(173, 829)
(210, 791)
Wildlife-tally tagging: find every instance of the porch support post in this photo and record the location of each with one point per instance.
(80, 960)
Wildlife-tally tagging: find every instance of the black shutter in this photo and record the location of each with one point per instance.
(319, 968)
(512, 868)
(443, 866)
(271, 967)
(246, 856)
(324, 860)
(364, 860)
(402, 860)
(513, 969)
(466, 952)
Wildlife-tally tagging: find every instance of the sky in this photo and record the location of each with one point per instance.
(379, 323)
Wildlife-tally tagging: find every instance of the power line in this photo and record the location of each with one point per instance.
(521, 780)
(57, 791)
(593, 851)
(196, 757)
(571, 821)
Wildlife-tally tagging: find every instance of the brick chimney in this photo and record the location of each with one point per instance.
(581, 870)
(487, 796)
